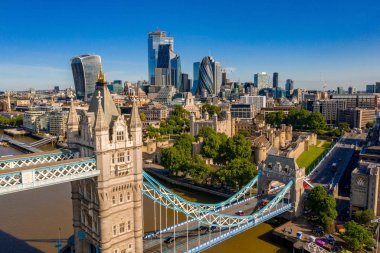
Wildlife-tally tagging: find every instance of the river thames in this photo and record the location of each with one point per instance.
(32, 221)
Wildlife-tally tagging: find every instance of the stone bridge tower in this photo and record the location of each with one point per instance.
(283, 169)
(107, 210)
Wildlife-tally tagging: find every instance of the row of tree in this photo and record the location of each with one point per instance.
(11, 121)
(232, 155)
(323, 212)
(299, 119)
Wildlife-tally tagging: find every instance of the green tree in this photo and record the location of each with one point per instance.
(275, 118)
(244, 132)
(198, 169)
(323, 206)
(237, 172)
(212, 142)
(237, 147)
(211, 109)
(364, 217)
(344, 126)
(298, 118)
(369, 125)
(357, 236)
(316, 121)
(173, 159)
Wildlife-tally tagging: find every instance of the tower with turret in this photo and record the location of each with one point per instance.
(107, 209)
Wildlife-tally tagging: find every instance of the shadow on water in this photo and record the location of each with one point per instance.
(268, 238)
(11, 244)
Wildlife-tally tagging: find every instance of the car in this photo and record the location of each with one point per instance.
(264, 202)
(169, 240)
(240, 213)
(212, 228)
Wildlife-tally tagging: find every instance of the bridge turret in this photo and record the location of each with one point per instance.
(72, 123)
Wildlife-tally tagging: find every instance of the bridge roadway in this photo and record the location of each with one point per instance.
(20, 145)
(195, 236)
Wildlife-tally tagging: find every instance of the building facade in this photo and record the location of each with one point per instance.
(330, 109)
(85, 70)
(225, 126)
(258, 101)
(261, 80)
(107, 209)
(243, 111)
(356, 117)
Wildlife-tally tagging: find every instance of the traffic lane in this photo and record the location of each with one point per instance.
(341, 156)
(152, 245)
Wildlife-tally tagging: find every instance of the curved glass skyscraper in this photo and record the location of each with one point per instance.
(206, 76)
(85, 73)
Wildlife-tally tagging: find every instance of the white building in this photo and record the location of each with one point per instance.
(258, 101)
(261, 80)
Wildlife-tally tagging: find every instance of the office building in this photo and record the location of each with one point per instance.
(56, 89)
(289, 87)
(162, 78)
(155, 39)
(368, 101)
(330, 109)
(206, 77)
(168, 59)
(370, 88)
(351, 90)
(377, 87)
(185, 83)
(85, 73)
(217, 69)
(340, 90)
(196, 66)
(258, 101)
(57, 123)
(261, 80)
(242, 111)
(356, 117)
(275, 80)
(118, 87)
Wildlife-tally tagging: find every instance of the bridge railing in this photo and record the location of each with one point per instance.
(48, 175)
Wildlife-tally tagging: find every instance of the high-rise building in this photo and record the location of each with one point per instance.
(261, 80)
(351, 90)
(206, 76)
(289, 87)
(370, 88)
(155, 39)
(56, 89)
(118, 87)
(339, 90)
(275, 80)
(377, 87)
(168, 59)
(85, 73)
(217, 68)
(196, 66)
(185, 83)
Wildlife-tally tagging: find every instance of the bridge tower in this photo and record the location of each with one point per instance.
(107, 210)
(283, 169)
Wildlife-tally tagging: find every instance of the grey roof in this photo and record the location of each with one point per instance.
(109, 107)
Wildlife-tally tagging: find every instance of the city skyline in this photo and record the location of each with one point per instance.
(339, 49)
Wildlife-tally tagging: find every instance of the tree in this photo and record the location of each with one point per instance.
(211, 109)
(244, 132)
(173, 159)
(212, 142)
(298, 118)
(237, 147)
(198, 169)
(322, 206)
(316, 121)
(344, 126)
(364, 217)
(237, 172)
(185, 141)
(369, 125)
(357, 236)
(275, 118)
(142, 116)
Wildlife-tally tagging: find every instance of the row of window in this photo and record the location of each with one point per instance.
(124, 250)
(120, 157)
(123, 227)
(121, 198)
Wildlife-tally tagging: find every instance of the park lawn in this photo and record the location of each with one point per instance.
(308, 158)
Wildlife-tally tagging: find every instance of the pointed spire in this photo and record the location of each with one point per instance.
(73, 116)
(101, 76)
(100, 123)
(135, 121)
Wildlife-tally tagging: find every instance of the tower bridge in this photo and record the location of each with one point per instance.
(104, 166)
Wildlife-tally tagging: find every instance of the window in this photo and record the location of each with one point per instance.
(120, 157)
(121, 199)
(128, 156)
(120, 135)
(129, 226)
(113, 158)
(113, 200)
(128, 196)
(123, 251)
(130, 246)
(122, 228)
(115, 251)
(114, 229)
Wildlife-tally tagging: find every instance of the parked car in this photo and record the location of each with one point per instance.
(240, 213)
(169, 240)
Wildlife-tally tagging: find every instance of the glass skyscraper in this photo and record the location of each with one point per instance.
(168, 59)
(261, 80)
(196, 66)
(206, 77)
(85, 73)
(155, 39)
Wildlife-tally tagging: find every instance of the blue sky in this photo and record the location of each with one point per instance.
(337, 41)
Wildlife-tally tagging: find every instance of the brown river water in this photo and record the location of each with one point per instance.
(30, 221)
